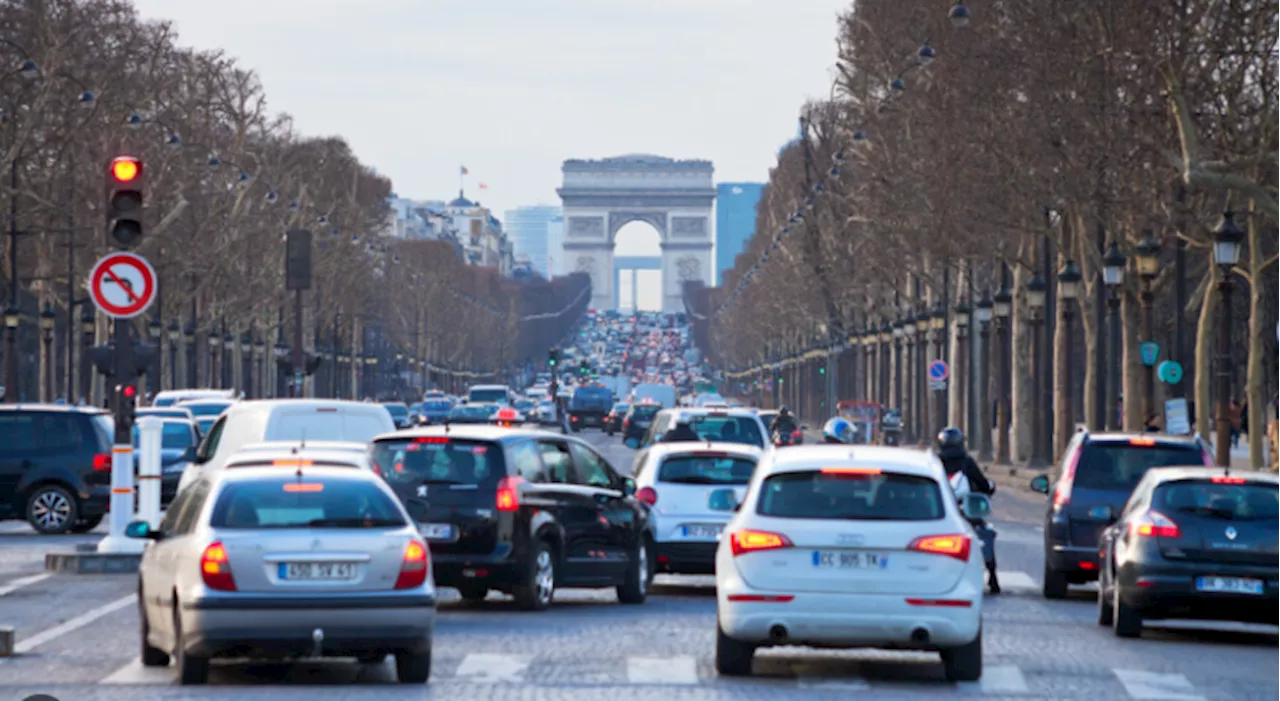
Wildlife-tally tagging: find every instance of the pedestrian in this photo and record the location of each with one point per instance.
(1233, 414)
(1244, 418)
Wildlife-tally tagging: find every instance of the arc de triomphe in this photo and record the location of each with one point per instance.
(601, 196)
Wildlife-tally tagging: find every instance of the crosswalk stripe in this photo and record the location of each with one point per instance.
(1014, 580)
(1155, 686)
(998, 679)
(135, 673)
(487, 668)
(662, 670)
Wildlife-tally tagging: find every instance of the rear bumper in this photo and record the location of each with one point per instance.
(1079, 563)
(1169, 591)
(686, 558)
(494, 571)
(95, 501)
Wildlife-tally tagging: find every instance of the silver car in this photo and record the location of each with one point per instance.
(286, 564)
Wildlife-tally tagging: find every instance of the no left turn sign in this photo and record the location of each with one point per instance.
(122, 285)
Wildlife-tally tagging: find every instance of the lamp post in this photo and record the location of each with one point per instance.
(246, 364)
(175, 335)
(228, 357)
(1147, 258)
(1227, 240)
(1113, 262)
(1036, 289)
(908, 383)
(88, 329)
(961, 370)
(280, 351)
(895, 398)
(923, 324)
(1068, 291)
(1002, 305)
(214, 377)
(189, 335)
(982, 314)
(12, 317)
(886, 358)
(48, 319)
(259, 356)
(154, 330)
(938, 326)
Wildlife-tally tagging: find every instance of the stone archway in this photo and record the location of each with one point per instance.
(599, 197)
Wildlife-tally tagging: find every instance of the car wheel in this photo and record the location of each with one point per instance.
(85, 525)
(1055, 583)
(473, 593)
(1126, 620)
(151, 656)
(52, 509)
(635, 585)
(413, 667)
(1106, 614)
(964, 663)
(733, 657)
(191, 669)
(539, 586)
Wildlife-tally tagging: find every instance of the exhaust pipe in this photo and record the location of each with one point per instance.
(920, 636)
(778, 634)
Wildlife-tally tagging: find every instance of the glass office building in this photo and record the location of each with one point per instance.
(735, 221)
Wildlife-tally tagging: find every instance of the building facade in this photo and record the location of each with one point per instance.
(735, 221)
(529, 229)
(480, 234)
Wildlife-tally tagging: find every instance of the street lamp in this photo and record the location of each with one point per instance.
(259, 356)
(982, 313)
(1113, 262)
(1147, 258)
(88, 329)
(228, 357)
(189, 333)
(959, 15)
(47, 321)
(246, 364)
(175, 335)
(1036, 289)
(1227, 240)
(11, 319)
(963, 378)
(1002, 305)
(1068, 290)
(923, 322)
(154, 330)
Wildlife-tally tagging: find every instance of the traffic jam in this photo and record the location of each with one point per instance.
(611, 519)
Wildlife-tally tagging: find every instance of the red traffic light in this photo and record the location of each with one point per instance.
(126, 169)
(129, 391)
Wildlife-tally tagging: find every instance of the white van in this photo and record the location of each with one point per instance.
(286, 420)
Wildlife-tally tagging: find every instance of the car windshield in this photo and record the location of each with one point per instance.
(436, 405)
(478, 396)
(206, 408)
(858, 496)
(397, 411)
(727, 429)
(175, 436)
(301, 502)
(1120, 466)
(1226, 499)
(440, 460)
(644, 411)
(350, 426)
(621, 408)
(706, 468)
(470, 412)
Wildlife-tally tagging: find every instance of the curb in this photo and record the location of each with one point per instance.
(91, 563)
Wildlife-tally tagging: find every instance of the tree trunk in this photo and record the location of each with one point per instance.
(1205, 424)
(1092, 277)
(1254, 379)
(1134, 417)
(1023, 391)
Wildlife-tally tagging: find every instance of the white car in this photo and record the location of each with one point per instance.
(692, 488)
(849, 547)
(317, 454)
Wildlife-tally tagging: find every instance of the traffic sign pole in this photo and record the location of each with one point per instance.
(121, 502)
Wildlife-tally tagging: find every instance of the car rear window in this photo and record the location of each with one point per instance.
(1243, 501)
(729, 429)
(708, 468)
(860, 496)
(646, 411)
(305, 503)
(397, 410)
(477, 396)
(440, 460)
(206, 409)
(328, 425)
(1120, 466)
(438, 405)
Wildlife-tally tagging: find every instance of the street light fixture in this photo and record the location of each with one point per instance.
(982, 314)
(1113, 264)
(1068, 289)
(29, 69)
(1069, 281)
(1148, 256)
(1003, 303)
(959, 15)
(926, 54)
(1227, 240)
(47, 321)
(1036, 289)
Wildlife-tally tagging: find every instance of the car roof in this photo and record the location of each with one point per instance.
(476, 432)
(62, 408)
(811, 457)
(709, 410)
(305, 447)
(1161, 439)
(204, 400)
(663, 450)
(286, 453)
(254, 474)
(266, 406)
(1170, 474)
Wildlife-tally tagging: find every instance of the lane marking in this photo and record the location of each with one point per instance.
(1154, 686)
(84, 619)
(662, 670)
(23, 581)
(999, 679)
(1016, 581)
(485, 668)
(135, 673)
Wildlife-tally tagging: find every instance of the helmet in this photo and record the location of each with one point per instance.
(784, 411)
(837, 430)
(949, 443)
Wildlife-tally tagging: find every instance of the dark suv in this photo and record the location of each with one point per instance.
(519, 511)
(55, 466)
(1098, 473)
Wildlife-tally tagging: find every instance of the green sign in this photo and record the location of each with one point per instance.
(1169, 372)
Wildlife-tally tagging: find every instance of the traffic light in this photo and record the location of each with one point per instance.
(553, 355)
(822, 371)
(124, 204)
(126, 400)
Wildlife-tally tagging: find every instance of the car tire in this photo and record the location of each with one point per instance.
(1126, 620)
(733, 657)
(191, 668)
(413, 667)
(473, 593)
(635, 584)
(1106, 614)
(964, 663)
(52, 509)
(538, 588)
(1055, 583)
(85, 525)
(151, 656)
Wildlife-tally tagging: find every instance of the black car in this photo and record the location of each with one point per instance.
(55, 466)
(434, 411)
(613, 422)
(638, 419)
(1097, 475)
(589, 406)
(520, 511)
(1192, 543)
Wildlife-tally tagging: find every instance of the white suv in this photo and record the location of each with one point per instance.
(841, 546)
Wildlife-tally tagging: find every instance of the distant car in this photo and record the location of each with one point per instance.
(638, 419)
(167, 412)
(399, 413)
(171, 397)
(469, 414)
(178, 441)
(206, 411)
(613, 421)
(434, 411)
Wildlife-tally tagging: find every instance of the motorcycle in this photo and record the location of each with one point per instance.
(782, 439)
(986, 532)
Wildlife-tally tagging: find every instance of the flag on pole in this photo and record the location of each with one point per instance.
(463, 170)
(483, 186)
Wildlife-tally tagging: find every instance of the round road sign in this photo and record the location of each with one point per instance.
(122, 285)
(938, 371)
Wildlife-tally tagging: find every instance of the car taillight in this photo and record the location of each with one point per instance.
(413, 568)
(647, 495)
(1154, 524)
(796, 434)
(102, 462)
(508, 498)
(626, 423)
(1228, 480)
(215, 568)
(956, 545)
(1062, 493)
(748, 541)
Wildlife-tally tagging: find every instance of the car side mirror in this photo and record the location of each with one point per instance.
(722, 500)
(975, 507)
(628, 486)
(142, 530)
(1040, 483)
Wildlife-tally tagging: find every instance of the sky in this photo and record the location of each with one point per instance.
(512, 88)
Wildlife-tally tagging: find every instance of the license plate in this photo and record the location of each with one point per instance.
(317, 571)
(1229, 585)
(436, 531)
(711, 532)
(849, 560)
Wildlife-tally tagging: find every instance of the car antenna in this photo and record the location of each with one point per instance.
(303, 442)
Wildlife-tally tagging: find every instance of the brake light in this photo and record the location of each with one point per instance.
(850, 470)
(626, 423)
(215, 568)
(431, 439)
(796, 434)
(102, 462)
(647, 495)
(303, 487)
(1062, 493)
(291, 463)
(413, 568)
(1146, 442)
(741, 542)
(508, 498)
(1228, 480)
(1154, 524)
(956, 545)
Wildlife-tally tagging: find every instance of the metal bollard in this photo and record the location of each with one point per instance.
(122, 503)
(150, 433)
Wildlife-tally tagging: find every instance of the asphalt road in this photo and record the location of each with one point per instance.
(78, 641)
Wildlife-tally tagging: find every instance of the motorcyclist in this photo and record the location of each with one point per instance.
(784, 424)
(966, 476)
(837, 430)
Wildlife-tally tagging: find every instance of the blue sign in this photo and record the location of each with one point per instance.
(1150, 351)
(1169, 372)
(938, 371)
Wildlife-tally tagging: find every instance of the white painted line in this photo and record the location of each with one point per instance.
(483, 668)
(1154, 686)
(23, 581)
(999, 679)
(837, 684)
(1016, 581)
(134, 673)
(662, 670)
(84, 619)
